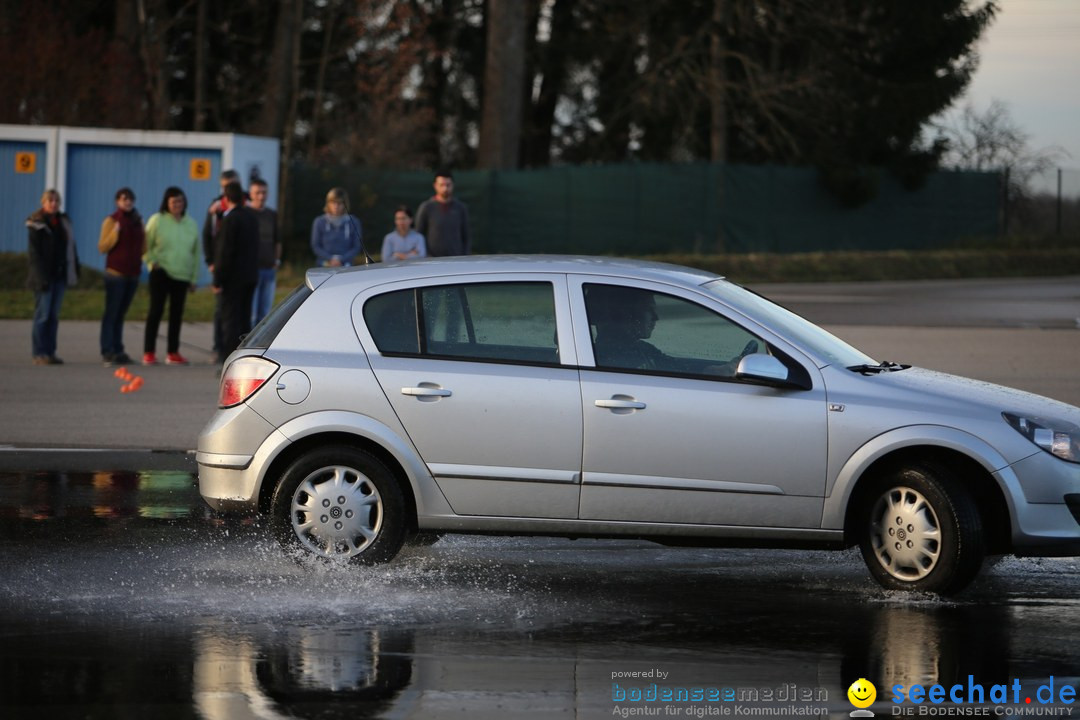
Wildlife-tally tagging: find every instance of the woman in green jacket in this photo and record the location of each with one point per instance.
(172, 256)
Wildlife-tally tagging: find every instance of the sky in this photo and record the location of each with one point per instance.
(1030, 60)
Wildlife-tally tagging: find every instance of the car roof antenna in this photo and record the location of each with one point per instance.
(363, 248)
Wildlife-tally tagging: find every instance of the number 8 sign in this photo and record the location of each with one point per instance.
(200, 169)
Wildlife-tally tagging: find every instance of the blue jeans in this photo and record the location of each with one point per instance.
(47, 318)
(264, 295)
(119, 292)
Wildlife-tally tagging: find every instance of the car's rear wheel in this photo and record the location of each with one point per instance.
(339, 503)
(920, 530)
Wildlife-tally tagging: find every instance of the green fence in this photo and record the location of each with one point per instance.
(646, 209)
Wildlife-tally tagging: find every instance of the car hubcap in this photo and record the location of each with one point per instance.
(905, 534)
(336, 512)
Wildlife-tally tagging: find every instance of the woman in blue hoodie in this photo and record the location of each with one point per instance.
(335, 235)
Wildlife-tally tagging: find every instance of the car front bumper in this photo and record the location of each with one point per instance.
(1046, 518)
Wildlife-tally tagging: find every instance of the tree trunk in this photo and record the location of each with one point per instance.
(151, 51)
(718, 124)
(279, 72)
(434, 85)
(200, 66)
(718, 127)
(295, 13)
(320, 82)
(126, 102)
(552, 66)
(530, 73)
(504, 76)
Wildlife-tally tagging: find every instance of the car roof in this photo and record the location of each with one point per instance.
(490, 264)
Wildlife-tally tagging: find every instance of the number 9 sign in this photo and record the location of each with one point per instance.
(25, 162)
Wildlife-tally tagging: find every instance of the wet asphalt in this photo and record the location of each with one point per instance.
(122, 595)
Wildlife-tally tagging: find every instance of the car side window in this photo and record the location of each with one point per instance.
(510, 322)
(637, 329)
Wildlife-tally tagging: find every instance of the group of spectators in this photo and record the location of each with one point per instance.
(442, 228)
(240, 244)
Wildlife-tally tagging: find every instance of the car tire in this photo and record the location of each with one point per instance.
(920, 530)
(339, 503)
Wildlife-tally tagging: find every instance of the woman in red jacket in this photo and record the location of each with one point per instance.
(123, 242)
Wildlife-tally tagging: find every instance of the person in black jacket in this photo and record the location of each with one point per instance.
(236, 267)
(54, 265)
(211, 225)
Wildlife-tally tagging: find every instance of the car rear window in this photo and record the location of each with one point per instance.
(264, 333)
(500, 322)
(391, 319)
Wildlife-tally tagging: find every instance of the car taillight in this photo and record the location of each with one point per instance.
(242, 378)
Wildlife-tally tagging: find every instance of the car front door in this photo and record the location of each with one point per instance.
(671, 436)
(478, 375)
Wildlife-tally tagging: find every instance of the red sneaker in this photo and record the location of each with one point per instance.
(149, 359)
(175, 359)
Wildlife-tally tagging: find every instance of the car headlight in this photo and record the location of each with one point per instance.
(1059, 438)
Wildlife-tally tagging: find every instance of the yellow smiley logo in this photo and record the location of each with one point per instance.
(862, 693)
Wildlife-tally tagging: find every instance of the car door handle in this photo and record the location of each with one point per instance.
(620, 403)
(426, 392)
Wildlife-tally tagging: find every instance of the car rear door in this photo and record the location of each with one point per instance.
(671, 436)
(482, 373)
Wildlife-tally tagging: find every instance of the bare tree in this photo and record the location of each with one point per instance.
(991, 140)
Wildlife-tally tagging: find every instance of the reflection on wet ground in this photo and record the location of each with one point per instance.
(160, 494)
(123, 597)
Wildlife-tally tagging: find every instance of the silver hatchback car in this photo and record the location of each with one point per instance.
(588, 397)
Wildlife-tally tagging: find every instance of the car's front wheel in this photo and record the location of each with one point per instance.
(920, 530)
(339, 503)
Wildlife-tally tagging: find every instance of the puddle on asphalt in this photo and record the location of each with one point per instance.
(376, 648)
(121, 592)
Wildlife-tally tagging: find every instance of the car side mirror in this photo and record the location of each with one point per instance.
(762, 367)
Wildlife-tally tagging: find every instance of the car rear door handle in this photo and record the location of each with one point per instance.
(426, 392)
(621, 402)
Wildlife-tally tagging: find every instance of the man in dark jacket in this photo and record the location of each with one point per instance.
(210, 229)
(443, 220)
(236, 267)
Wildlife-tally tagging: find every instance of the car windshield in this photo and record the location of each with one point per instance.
(794, 328)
